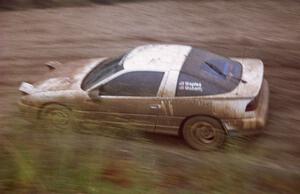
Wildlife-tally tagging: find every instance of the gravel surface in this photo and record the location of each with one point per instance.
(269, 30)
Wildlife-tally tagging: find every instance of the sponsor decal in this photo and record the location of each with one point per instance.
(190, 86)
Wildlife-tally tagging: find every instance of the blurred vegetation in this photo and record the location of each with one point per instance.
(25, 4)
(38, 160)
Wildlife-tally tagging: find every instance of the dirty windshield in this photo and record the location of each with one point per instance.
(101, 71)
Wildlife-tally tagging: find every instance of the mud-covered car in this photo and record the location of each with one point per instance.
(172, 89)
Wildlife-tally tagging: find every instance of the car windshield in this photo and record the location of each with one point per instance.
(103, 70)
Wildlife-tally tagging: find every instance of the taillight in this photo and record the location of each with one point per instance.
(252, 105)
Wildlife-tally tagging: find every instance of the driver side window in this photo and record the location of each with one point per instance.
(139, 83)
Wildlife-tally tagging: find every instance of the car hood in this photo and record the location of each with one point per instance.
(59, 77)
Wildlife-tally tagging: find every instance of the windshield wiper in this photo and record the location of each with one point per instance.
(217, 70)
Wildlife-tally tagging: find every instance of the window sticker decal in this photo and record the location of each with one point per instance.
(190, 86)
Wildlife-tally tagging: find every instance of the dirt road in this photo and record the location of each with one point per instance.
(269, 30)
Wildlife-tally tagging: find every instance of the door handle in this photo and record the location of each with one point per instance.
(155, 106)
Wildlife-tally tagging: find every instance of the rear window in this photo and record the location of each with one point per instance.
(205, 73)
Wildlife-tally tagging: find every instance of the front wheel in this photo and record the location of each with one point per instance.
(203, 133)
(55, 117)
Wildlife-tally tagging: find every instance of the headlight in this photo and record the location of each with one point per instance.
(27, 88)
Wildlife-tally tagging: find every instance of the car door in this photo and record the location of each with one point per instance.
(130, 100)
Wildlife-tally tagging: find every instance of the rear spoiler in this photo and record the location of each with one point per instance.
(253, 74)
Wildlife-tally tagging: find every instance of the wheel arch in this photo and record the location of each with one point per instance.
(43, 106)
(200, 116)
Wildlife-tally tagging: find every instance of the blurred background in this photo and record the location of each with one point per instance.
(32, 160)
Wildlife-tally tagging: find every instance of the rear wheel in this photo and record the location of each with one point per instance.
(55, 117)
(203, 133)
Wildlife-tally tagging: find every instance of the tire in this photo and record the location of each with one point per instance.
(203, 133)
(55, 117)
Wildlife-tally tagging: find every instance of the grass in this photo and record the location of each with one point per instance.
(37, 161)
(47, 162)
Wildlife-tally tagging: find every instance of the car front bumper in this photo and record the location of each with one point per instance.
(252, 125)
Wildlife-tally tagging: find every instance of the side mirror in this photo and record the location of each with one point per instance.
(94, 94)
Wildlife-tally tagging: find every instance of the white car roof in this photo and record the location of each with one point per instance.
(157, 57)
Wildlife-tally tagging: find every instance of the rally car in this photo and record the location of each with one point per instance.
(172, 89)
